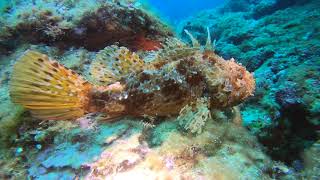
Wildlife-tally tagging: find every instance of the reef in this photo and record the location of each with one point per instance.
(223, 133)
(89, 24)
(279, 41)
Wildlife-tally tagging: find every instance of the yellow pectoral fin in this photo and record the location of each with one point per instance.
(47, 88)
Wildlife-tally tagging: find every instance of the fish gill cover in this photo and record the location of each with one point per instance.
(126, 89)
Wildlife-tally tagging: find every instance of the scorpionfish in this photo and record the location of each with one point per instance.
(121, 83)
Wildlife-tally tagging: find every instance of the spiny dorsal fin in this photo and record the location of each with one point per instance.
(173, 43)
(48, 89)
(194, 41)
(208, 45)
(172, 50)
(114, 63)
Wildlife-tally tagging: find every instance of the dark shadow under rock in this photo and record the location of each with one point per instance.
(291, 136)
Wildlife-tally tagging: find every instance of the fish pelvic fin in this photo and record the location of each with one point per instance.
(48, 89)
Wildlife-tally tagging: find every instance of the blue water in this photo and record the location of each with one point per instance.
(174, 11)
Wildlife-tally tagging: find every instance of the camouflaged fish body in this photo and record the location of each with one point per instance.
(125, 84)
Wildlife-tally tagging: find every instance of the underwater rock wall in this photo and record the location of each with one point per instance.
(258, 9)
(279, 41)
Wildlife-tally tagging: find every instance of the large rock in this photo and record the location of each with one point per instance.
(92, 25)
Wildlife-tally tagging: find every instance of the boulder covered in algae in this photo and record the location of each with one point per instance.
(89, 24)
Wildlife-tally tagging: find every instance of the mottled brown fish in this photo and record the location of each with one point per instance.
(124, 84)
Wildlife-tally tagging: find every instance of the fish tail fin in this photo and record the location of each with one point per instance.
(49, 90)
